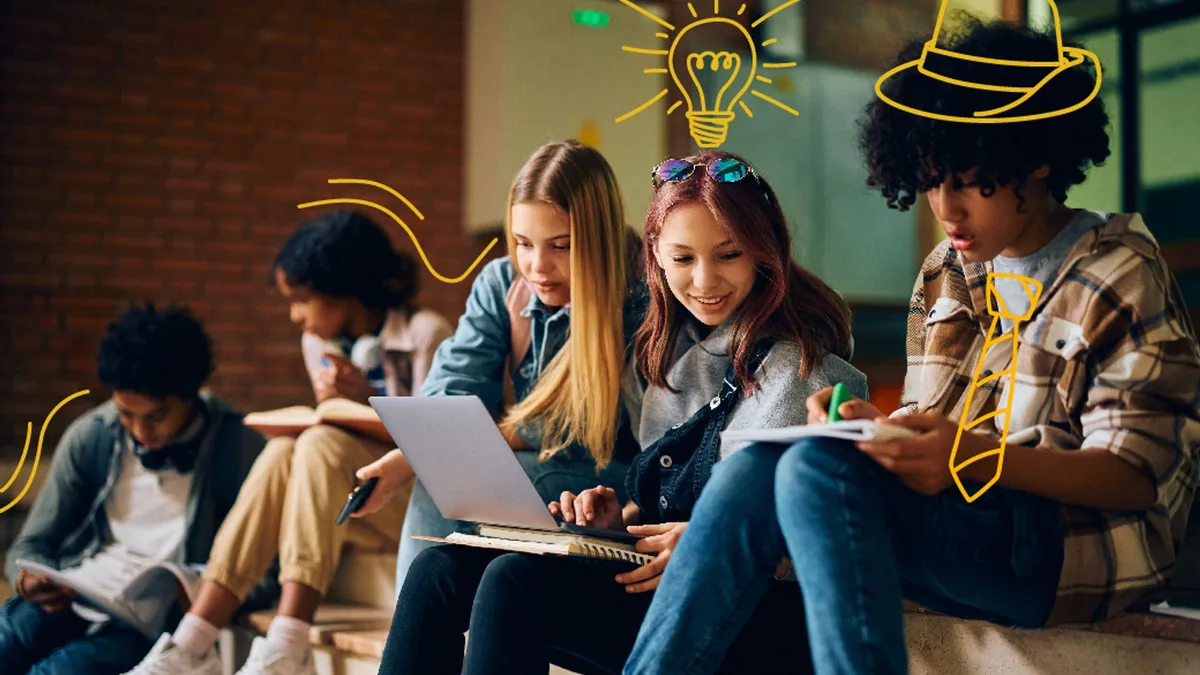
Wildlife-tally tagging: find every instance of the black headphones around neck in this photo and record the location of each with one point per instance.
(180, 456)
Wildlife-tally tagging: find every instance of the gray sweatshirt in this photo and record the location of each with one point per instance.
(697, 372)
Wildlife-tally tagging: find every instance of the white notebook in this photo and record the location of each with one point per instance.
(1177, 609)
(143, 596)
(853, 430)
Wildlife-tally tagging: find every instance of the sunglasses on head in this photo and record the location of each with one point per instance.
(724, 170)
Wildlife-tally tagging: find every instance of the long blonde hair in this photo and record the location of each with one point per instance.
(577, 397)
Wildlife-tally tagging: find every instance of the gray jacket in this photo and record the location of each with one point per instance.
(698, 370)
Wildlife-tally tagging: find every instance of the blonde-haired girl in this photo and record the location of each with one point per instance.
(547, 327)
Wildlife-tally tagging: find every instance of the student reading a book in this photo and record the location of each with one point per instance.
(144, 478)
(353, 295)
(544, 338)
(736, 336)
(1103, 426)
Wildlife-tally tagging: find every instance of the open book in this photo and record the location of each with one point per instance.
(141, 597)
(338, 412)
(547, 542)
(853, 430)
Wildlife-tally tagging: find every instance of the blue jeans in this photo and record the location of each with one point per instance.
(550, 478)
(37, 643)
(860, 542)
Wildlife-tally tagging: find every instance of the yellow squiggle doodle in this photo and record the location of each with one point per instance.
(37, 455)
(393, 216)
(1033, 291)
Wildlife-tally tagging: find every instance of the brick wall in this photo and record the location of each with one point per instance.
(158, 150)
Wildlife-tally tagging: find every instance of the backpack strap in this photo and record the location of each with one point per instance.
(516, 300)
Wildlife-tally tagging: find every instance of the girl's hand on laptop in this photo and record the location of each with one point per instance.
(854, 409)
(661, 539)
(594, 507)
(393, 472)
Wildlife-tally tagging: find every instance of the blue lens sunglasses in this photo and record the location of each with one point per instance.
(724, 170)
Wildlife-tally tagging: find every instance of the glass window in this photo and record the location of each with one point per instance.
(786, 28)
(1169, 64)
(1072, 13)
(1142, 5)
(1102, 189)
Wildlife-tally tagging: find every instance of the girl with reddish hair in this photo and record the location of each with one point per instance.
(737, 336)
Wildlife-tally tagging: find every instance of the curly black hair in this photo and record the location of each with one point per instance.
(155, 353)
(346, 254)
(907, 154)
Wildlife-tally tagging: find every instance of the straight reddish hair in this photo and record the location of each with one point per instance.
(788, 303)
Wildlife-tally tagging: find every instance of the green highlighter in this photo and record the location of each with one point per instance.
(840, 396)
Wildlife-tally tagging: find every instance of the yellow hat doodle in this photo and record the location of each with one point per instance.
(1021, 80)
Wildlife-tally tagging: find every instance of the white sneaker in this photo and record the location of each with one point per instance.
(167, 658)
(264, 659)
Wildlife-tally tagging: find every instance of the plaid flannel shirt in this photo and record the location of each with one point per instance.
(1109, 359)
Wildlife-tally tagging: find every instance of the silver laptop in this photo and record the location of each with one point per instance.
(464, 463)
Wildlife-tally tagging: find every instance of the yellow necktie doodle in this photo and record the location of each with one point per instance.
(998, 311)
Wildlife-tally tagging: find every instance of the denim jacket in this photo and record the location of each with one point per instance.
(472, 361)
(67, 523)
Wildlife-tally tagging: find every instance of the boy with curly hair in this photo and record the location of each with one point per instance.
(353, 295)
(146, 477)
(1100, 467)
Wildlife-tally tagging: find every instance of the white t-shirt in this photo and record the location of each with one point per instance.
(147, 517)
(147, 510)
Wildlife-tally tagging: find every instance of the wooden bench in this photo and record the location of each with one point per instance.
(355, 614)
(347, 639)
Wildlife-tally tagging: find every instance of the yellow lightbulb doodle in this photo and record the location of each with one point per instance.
(393, 216)
(709, 112)
(1033, 290)
(37, 455)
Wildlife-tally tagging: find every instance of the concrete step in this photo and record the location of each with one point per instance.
(1137, 642)
(365, 578)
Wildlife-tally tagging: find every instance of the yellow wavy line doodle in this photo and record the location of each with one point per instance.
(393, 216)
(37, 455)
(1033, 290)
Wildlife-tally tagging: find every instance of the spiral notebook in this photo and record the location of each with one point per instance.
(547, 543)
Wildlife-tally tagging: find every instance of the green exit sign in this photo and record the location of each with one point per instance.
(590, 17)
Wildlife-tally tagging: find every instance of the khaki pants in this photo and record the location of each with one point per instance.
(288, 505)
